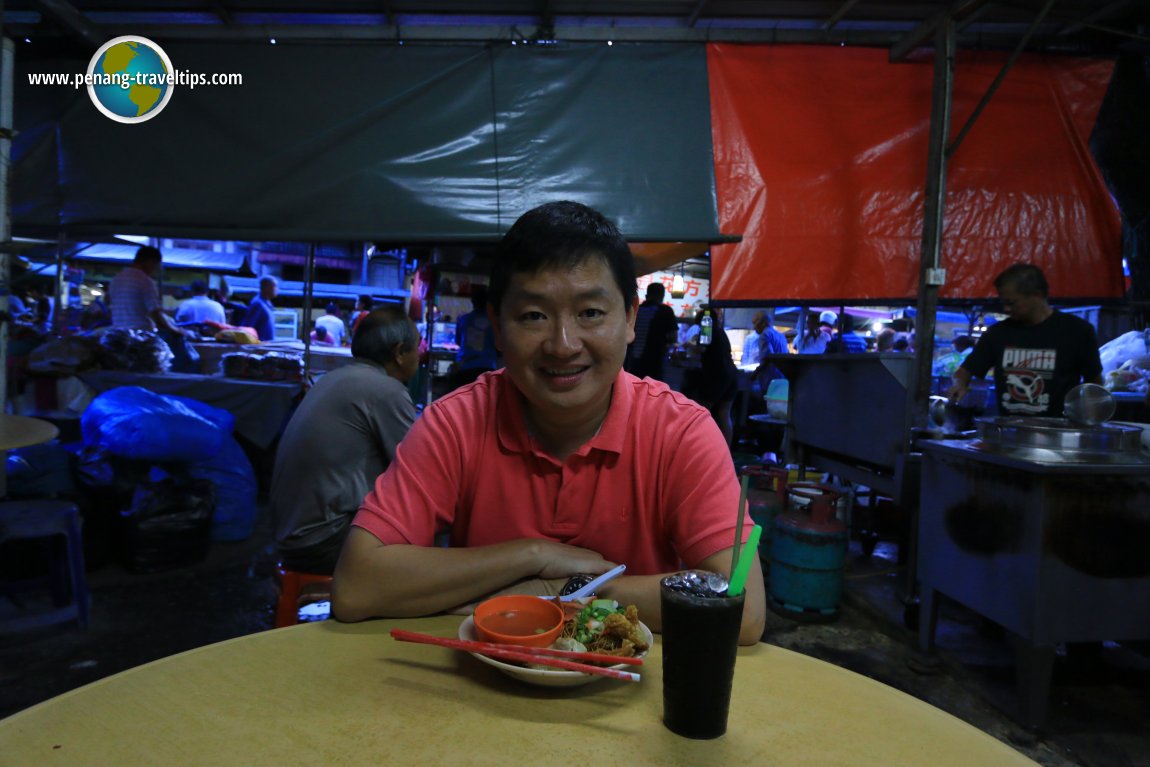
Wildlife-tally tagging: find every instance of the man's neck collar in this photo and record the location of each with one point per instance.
(1041, 316)
(562, 440)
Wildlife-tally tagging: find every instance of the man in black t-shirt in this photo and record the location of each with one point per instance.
(1037, 353)
(655, 330)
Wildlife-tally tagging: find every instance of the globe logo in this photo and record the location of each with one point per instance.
(130, 79)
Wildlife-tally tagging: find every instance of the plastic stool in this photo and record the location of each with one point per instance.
(291, 583)
(24, 520)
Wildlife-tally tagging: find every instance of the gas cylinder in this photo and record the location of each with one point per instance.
(808, 549)
(766, 497)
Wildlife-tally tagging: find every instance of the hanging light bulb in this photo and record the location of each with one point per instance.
(678, 285)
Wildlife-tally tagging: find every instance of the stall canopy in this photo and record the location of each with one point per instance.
(820, 159)
(395, 143)
(179, 258)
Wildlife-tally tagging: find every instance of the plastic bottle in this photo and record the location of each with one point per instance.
(705, 331)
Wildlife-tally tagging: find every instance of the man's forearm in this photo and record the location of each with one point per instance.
(960, 382)
(164, 322)
(401, 581)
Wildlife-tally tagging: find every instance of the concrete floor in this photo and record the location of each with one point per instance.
(1100, 703)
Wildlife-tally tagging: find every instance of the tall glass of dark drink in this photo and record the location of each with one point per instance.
(700, 641)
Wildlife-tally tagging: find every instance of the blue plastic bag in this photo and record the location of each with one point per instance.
(236, 488)
(132, 422)
(220, 417)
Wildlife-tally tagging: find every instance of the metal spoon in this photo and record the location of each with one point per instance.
(594, 584)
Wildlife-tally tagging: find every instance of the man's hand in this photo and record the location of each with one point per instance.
(560, 560)
(959, 386)
(400, 580)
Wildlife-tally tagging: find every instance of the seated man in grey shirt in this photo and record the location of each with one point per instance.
(342, 436)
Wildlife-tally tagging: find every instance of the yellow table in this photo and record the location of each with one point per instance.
(22, 431)
(347, 694)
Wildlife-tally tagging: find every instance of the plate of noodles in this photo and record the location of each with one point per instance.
(588, 629)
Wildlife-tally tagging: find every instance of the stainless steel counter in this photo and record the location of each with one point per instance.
(1052, 550)
(847, 415)
(1040, 460)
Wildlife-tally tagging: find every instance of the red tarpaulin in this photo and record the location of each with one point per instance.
(820, 164)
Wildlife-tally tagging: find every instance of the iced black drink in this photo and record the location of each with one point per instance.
(700, 640)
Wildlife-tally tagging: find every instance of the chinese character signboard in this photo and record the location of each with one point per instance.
(698, 292)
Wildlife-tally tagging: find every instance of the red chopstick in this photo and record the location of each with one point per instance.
(539, 655)
(484, 647)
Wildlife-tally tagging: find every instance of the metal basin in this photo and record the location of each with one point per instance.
(1057, 437)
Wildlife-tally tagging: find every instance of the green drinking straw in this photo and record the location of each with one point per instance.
(739, 576)
(739, 521)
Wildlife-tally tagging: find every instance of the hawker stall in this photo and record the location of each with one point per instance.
(1042, 526)
(847, 415)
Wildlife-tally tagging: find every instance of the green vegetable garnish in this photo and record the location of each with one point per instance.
(589, 621)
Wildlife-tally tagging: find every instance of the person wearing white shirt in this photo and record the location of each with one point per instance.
(814, 341)
(333, 324)
(751, 342)
(136, 298)
(200, 308)
(687, 333)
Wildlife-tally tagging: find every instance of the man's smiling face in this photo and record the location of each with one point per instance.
(564, 333)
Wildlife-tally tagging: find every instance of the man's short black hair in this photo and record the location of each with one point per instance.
(378, 333)
(564, 235)
(656, 292)
(1027, 279)
(198, 288)
(147, 253)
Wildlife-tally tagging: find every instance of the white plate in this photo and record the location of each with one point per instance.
(544, 678)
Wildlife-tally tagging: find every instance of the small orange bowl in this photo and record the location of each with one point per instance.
(519, 619)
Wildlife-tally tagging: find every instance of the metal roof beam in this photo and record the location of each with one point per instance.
(223, 12)
(926, 29)
(1101, 13)
(75, 23)
(972, 17)
(695, 14)
(998, 79)
(546, 20)
(497, 33)
(1118, 32)
(839, 15)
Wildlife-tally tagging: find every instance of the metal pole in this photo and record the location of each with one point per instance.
(429, 329)
(308, 288)
(6, 80)
(931, 276)
(57, 325)
(6, 130)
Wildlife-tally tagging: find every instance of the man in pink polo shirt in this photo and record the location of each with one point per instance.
(557, 465)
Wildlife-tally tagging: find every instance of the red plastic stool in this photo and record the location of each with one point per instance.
(292, 583)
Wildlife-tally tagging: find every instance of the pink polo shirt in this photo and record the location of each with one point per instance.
(654, 487)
